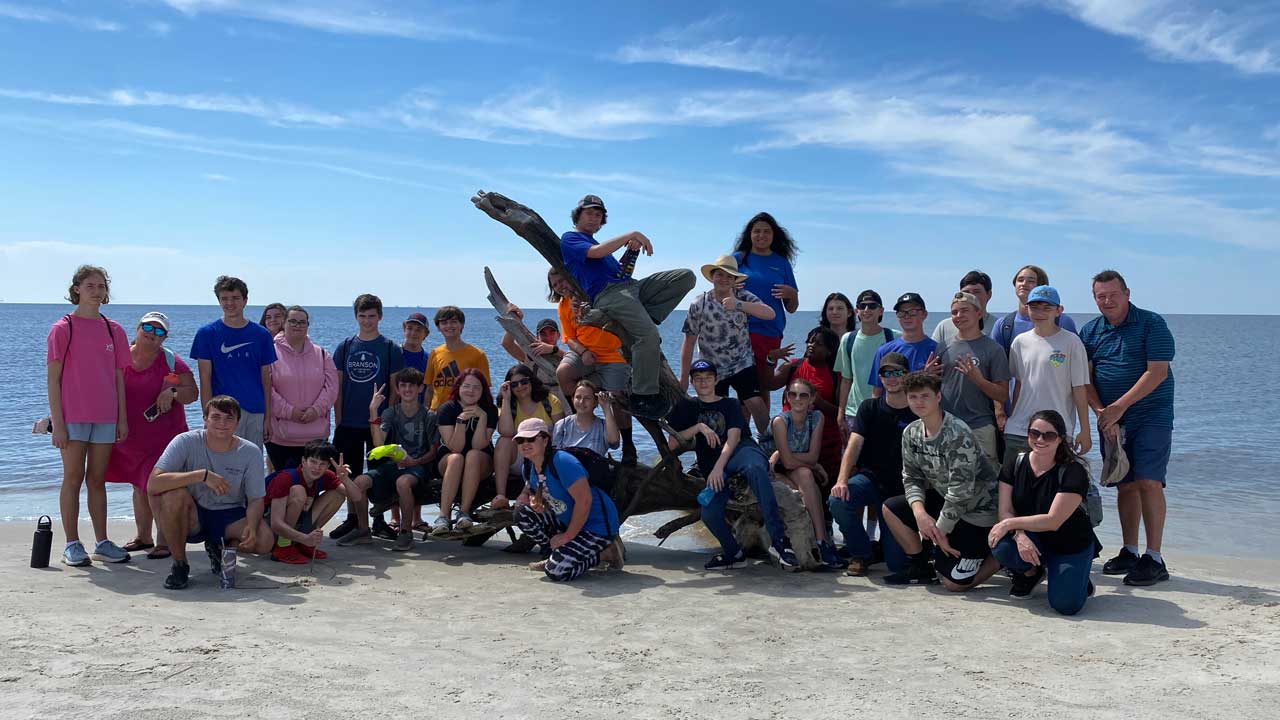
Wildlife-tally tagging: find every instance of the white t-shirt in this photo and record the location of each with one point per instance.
(1046, 369)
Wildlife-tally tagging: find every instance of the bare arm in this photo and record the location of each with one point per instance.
(454, 437)
(612, 435)
(206, 381)
(758, 310)
(1064, 503)
(609, 247)
(686, 359)
(845, 386)
(513, 349)
(162, 481)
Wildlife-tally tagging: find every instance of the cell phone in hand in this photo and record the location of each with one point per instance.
(151, 413)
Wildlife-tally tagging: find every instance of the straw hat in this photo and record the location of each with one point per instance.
(725, 263)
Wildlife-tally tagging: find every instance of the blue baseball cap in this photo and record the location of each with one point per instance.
(1044, 293)
(701, 365)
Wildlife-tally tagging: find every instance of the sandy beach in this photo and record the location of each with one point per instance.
(445, 629)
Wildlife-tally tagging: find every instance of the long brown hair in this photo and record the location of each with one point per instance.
(82, 273)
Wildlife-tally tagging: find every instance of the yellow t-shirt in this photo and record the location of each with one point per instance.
(444, 367)
(552, 401)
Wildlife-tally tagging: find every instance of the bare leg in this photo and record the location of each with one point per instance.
(452, 467)
(802, 480)
(503, 454)
(908, 539)
(477, 468)
(567, 376)
(142, 515)
(175, 515)
(359, 504)
(294, 504)
(73, 458)
(153, 506)
(759, 409)
(1129, 508)
(404, 490)
(1153, 512)
(325, 507)
(95, 480)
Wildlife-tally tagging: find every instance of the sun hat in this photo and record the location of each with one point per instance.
(532, 428)
(725, 263)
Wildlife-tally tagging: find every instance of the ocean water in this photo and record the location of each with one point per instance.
(1223, 490)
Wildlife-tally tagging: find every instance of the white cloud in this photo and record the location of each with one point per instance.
(215, 177)
(160, 28)
(353, 17)
(1187, 30)
(703, 45)
(47, 15)
(281, 113)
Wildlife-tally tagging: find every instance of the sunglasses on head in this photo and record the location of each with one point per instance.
(893, 373)
(154, 329)
(524, 440)
(799, 394)
(1047, 435)
(869, 306)
(521, 381)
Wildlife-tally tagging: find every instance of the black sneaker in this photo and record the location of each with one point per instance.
(347, 526)
(877, 552)
(724, 562)
(1147, 572)
(178, 576)
(629, 458)
(1121, 564)
(830, 558)
(215, 556)
(382, 530)
(652, 407)
(919, 572)
(377, 509)
(1023, 585)
(782, 553)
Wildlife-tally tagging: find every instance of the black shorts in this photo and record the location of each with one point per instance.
(745, 384)
(969, 539)
(354, 445)
(284, 457)
(384, 474)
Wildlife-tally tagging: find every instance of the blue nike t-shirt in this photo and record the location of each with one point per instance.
(238, 355)
(365, 364)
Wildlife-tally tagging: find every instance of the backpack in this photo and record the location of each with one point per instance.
(1092, 500)
(1006, 329)
(599, 475)
(847, 347)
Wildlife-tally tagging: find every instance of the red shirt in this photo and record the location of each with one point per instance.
(278, 484)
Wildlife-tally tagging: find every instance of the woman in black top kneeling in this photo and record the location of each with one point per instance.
(1043, 521)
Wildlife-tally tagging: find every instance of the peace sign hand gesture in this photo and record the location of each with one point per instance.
(378, 396)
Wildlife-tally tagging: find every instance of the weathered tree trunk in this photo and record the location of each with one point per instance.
(640, 490)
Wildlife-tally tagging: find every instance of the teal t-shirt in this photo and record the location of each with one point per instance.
(853, 361)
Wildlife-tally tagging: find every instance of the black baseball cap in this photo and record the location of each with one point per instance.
(418, 318)
(701, 365)
(870, 295)
(908, 298)
(590, 201)
(894, 360)
(547, 323)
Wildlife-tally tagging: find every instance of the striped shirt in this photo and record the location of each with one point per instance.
(1120, 354)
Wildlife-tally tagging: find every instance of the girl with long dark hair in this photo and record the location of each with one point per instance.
(766, 253)
(1044, 527)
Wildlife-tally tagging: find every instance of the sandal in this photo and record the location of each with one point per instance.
(160, 552)
(135, 545)
(422, 526)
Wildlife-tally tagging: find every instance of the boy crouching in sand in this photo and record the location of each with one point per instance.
(301, 500)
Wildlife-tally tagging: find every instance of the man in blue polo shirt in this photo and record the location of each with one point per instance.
(636, 306)
(1132, 393)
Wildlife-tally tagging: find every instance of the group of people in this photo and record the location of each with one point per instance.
(963, 451)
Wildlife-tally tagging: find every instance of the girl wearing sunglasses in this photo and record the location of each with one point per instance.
(157, 383)
(1044, 527)
(794, 444)
(522, 396)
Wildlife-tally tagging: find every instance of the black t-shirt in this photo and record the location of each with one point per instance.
(881, 425)
(1034, 496)
(447, 415)
(721, 416)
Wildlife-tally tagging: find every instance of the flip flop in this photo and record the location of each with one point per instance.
(422, 526)
(135, 546)
(159, 553)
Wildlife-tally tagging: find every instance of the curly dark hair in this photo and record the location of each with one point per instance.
(782, 243)
(537, 389)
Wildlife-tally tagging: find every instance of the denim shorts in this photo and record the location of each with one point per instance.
(1148, 449)
(92, 433)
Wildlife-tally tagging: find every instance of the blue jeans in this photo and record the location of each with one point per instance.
(751, 463)
(1068, 574)
(848, 515)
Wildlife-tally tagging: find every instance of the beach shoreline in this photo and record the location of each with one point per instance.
(444, 628)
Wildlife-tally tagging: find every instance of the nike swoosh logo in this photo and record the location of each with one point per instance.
(966, 568)
(233, 348)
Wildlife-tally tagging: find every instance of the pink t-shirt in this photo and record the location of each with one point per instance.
(132, 460)
(90, 358)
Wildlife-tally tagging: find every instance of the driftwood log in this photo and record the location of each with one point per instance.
(639, 489)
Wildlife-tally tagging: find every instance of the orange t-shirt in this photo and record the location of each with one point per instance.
(604, 344)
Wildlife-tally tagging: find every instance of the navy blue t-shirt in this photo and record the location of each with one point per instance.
(238, 355)
(364, 364)
(721, 416)
(593, 275)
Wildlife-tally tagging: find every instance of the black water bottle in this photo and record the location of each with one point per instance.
(42, 543)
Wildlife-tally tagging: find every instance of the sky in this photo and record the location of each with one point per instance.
(328, 148)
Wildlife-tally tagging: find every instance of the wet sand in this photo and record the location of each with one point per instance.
(449, 631)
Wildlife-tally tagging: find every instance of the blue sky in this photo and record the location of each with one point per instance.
(328, 148)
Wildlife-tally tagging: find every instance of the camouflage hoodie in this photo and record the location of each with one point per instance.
(951, 464)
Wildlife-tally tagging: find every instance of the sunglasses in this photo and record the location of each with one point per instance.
(1047, 435)
(154, 330)
(522, 440)
(893, 373)
(799, 395)
(868, 306)
(521, 381)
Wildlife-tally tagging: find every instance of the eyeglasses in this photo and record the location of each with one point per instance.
(868, 306)
(798, 395)
(521, 381)
(523, 440)
(892, 373)
(1047, 435)
(296, 323)
(154, 330)
(909, 312)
